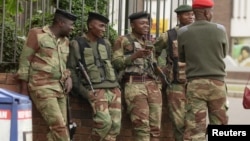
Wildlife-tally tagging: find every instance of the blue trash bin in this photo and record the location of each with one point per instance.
(15, 116)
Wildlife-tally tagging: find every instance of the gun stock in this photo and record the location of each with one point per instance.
(71, 125)
(158, 69)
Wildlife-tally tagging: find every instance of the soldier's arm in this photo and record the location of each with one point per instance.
(160, 44)
(27, 54)
(118, 58)
(73, 58)
(224, 41)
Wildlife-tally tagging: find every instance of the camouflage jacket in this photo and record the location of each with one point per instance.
(43, 60)
(124, 48)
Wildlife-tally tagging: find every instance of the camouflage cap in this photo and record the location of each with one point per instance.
(183, 8)
(66, 14)
(93, 15)
(138, 15)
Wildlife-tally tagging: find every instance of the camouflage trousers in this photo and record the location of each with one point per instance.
(106, 105)
(144, 104)
(53, 107)
(176, 103)
(204, 95)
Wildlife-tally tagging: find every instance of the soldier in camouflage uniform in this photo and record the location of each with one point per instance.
(94, 53)
(43, 74)
(203, 45)
(175, 71)
(132, 58)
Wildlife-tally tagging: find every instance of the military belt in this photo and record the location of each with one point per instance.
(137, 78)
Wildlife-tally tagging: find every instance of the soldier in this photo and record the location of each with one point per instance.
(133, 57)
(43, 74)
(176, 71)
(203, 45)
(94, 54)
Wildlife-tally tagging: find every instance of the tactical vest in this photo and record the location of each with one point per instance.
(96, 61)
(140, 65)
(177, 69)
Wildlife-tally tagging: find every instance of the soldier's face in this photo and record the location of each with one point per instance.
(66, 27)
(97, 28)
(140, 26)
(186, 18)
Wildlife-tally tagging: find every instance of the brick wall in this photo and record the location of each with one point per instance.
(82, 114)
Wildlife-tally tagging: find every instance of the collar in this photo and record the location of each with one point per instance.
(138, 40)
(46, 29)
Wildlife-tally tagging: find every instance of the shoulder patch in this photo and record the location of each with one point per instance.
(219, 26)
(182, 30)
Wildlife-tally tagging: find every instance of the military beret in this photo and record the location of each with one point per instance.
(139, 15)
(66, 14)
(183, 8)
(203, 3)
(93, 15)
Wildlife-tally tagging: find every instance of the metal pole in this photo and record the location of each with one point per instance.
(147, 5)
(43, 10)
(83, 4)
(171, 8)
(57, 3)
(126, 17)
(70, 5)
(164, 10)
(96, 5)
(150, 8)
(120, 17)
(30, 17)
(112, 21)
(2, 35)
(158, 17)
(15, 34)
(107, 14)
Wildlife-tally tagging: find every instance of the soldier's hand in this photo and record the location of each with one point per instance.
(68, 85)
(141, 53)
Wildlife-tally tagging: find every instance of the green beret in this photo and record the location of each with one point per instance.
(183, 8)
(66, 14)
(139, 15)
(97, 16)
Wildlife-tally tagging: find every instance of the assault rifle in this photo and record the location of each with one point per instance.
(71, 125)
(158, 69)
(85, 74)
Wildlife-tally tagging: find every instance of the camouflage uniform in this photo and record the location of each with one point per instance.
(43, 66)
(141, 92)
(106, 102)
(176, 98)
(203, 53)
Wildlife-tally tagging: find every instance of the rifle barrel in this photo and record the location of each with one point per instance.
(84, 72)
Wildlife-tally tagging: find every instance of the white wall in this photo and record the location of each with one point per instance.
(240, 22)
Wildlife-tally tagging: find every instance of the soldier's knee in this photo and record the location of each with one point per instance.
(106, 123)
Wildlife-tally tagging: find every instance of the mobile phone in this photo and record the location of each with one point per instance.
(149, 47)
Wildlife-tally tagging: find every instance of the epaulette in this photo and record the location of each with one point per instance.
(182, 30)
(221, 27)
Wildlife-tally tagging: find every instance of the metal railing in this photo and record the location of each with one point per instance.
(117, 10)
